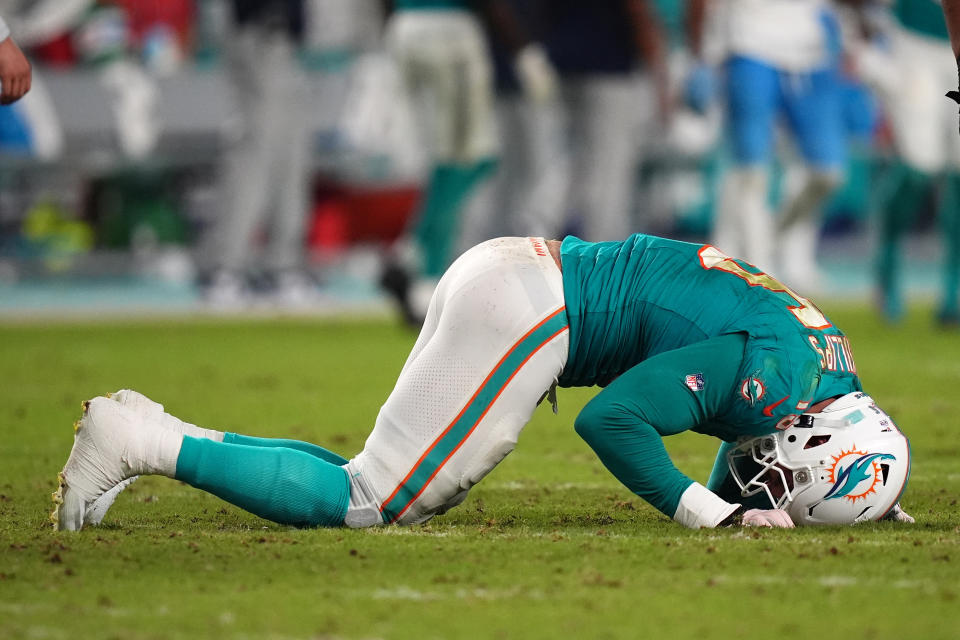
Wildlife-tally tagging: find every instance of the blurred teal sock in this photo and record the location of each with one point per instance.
(280, 484)
(439, 221)
(315, 450)
(896, 216)
(950, 228)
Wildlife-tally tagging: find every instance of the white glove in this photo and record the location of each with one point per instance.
(767, 518)
(536, 75)
(897, 514)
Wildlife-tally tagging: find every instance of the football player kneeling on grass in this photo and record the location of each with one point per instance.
(679, 336)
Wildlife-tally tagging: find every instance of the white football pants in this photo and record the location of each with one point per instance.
(494, 342)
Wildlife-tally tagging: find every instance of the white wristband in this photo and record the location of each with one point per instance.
(701, 508)
(4, 30)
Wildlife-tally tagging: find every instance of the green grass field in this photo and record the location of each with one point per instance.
(548, 545)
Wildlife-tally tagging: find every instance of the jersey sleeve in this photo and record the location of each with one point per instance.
(669, 393)
(775, 385)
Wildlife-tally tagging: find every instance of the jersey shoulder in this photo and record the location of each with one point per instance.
(784, 372)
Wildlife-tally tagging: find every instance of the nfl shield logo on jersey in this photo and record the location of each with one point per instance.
(695, 381)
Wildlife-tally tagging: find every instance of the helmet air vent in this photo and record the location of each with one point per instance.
(816, 441)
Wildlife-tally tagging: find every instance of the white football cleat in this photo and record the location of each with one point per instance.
(138, 402)
(109, 448)
(146, 408)
(153, 414)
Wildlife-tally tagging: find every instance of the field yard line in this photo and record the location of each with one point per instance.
(404, 592)
(823, 581)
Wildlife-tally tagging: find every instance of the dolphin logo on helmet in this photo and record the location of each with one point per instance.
(850, 477)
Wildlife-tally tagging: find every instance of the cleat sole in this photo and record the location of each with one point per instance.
(57, 497)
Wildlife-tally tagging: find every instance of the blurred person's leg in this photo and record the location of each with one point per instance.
(948, 312)
(606, 115)
(527, 194)
(743, 219)
(541, 209)
(812, 104)
(921, 134)
(493, 210)
(800, 225)
(463, 85)
(246, 173)
(445, 65)
(289, 148)
(907, 187)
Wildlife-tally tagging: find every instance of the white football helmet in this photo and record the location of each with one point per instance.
(846, 464)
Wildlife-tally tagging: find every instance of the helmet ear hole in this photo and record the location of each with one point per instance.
(816, 441)
(885, 470)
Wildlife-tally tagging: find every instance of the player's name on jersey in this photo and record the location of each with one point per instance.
(835, 354)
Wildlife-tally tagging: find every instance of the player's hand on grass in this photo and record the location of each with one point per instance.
(767, 518)
(14, 72)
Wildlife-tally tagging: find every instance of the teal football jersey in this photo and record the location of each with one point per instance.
(924, 17)
(627, 301)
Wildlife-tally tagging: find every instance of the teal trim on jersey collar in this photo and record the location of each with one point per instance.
(432, 5)
(427, 467)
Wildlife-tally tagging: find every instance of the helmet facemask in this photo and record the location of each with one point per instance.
(756, 467)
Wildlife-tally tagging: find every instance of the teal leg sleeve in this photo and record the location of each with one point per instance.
(950, 226)
(896, 215)
(625, 422)
(276, 483)
(439, 221)
(315, 450)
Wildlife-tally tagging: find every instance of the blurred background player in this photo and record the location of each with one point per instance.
(512, 201)
(265, 172)
(571, 163)
(910, 73)
(781, 63)
(611, 57)
(101, 38)
(98, 35)
(32, 127)
(444, 62)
